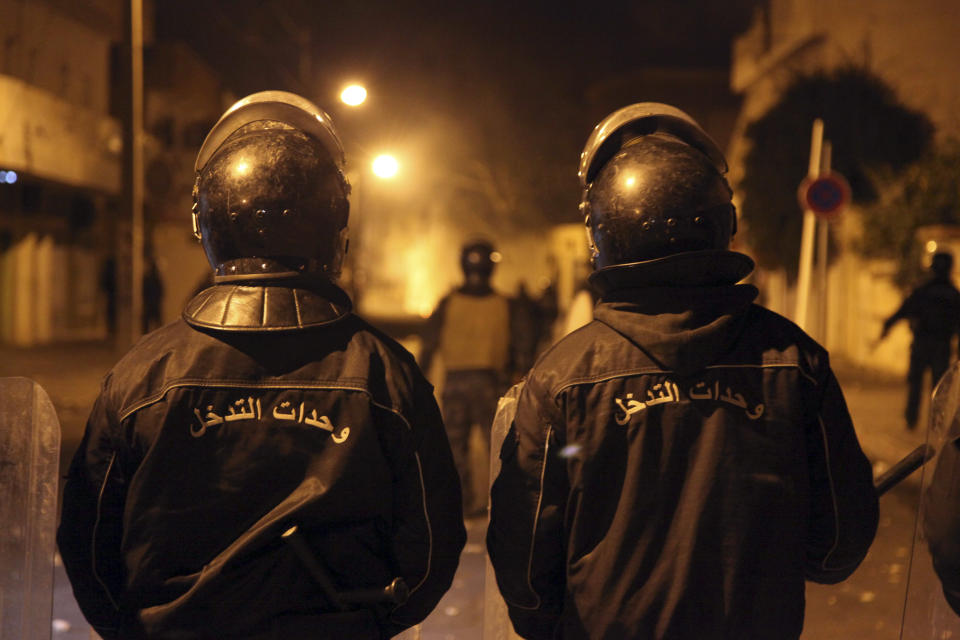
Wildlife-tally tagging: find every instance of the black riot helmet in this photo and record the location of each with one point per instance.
(478, 256)
(941, 265)
(653, 187)
(271, 198)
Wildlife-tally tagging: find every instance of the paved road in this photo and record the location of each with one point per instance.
(867, 606)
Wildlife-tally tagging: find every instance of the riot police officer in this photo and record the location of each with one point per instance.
(268, 408)
(676, 468)
(470, 330)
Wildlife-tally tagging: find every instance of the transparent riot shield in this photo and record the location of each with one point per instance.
(29, 464)
(496, 622)
(926, 614)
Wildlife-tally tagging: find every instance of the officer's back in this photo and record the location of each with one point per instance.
(679, 466)
(267, 416)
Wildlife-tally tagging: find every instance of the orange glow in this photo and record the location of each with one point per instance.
(353, 95)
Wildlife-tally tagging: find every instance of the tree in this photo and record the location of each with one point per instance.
(871, 133)
(927, 192)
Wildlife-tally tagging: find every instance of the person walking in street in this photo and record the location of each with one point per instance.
(152, 295)
(933, 311)
(470, 330)
(677, 467)
(249, 468)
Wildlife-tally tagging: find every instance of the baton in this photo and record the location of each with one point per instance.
(910, 463)
(396, 592)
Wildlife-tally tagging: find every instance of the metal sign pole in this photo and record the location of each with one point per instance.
(823, 234)
(136, 157)
(809, 226)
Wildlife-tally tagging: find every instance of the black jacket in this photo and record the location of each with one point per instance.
(265, 407)
(676, 468)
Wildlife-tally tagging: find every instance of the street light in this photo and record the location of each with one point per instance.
(385, 166)
(353, 95)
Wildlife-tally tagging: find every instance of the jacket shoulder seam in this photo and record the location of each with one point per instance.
(533, 532)
(247, 384)
(626, 373)
(426, 519)
(96, 527)
(833, 494)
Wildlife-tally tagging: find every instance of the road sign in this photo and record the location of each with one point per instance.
(827, 195)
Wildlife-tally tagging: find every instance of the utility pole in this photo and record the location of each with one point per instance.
(809, 226)
(823, 241)
(134, 171)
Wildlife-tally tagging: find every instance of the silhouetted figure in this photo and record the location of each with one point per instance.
(108, 285)
(470, 331)
(549, 311)
(677, 467)
(152, 296)
(267, 408)
(527, 329)
(933, 311)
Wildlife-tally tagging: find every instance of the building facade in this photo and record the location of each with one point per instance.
(60, 159)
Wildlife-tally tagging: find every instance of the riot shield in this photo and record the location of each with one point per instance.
(29, 464)
(496, 622)
(926, 613)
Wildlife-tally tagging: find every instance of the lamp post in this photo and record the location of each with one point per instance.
(135, 158)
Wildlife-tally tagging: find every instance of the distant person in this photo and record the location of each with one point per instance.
(677, 467)
(933, 311)
(250, 465)
(108, 286)
(470, 331)
(152, 296)
(549, 309)
(527, 330)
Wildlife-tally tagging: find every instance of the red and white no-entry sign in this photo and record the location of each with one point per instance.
(826, 195)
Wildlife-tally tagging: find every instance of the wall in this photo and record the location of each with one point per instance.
(54, 76)
(50, 292)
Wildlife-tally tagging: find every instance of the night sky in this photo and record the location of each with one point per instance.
(513, 87)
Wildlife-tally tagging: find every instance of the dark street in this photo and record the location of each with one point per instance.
(316, 243)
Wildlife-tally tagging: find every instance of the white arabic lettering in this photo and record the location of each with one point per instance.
(702, 391)
(212, 419)
(250, 408)
(284, 416)
(631, 408)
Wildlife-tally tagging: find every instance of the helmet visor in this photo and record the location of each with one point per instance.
(654, 117)
(279, 106)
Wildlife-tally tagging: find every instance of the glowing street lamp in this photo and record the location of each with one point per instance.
(353, 95)
(385, 166)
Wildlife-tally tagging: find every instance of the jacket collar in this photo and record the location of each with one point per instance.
(690, 268)
(684, 326)
(267, 306)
